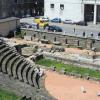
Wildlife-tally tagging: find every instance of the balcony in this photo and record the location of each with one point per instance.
(91, 1)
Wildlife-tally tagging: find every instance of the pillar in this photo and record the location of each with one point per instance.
(82, 10)
(95, 14)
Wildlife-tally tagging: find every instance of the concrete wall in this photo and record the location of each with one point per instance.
(7, 25)
(72, 9)
(83, 42)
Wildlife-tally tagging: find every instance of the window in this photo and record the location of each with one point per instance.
(66, 41)
(78, 43)
(52, 5)
(34, 35)
(62, 6)
(84, 34)
(55, 39)
(15, 1)
(93, 41)
(44, 37)
(99, 34)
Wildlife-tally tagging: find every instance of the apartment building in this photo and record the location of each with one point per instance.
(76, 10)
(21, 8)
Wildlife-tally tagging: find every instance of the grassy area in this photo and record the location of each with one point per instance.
(6, 95)
(69, 68)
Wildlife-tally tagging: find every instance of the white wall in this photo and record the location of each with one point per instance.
(72, 9)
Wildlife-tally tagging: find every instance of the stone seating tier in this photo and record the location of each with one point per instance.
(5, 62)
(3, 56)
(24, 74)
(15, 68)
(30, 76)
(13, 64)
(20, 71)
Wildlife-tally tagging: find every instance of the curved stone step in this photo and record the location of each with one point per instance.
(20, 70)
(34, 79)
(24, 74)
(3, 56)
(1, 41)
(27, 73)
(4, 63)
(30, 76)
(3, 50)
(12, 57)
(11, 64)
(2, 46)
(6, 45)
(14, 69)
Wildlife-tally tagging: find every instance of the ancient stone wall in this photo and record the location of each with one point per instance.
(87, 43)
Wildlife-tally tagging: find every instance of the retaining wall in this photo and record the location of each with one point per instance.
(83, 42)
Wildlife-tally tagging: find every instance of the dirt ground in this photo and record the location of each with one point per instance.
(68, 50)
(68, 88)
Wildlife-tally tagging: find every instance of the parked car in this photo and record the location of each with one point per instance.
(54, 28)
(43, 23)
(33, 25)
(56, 20)
(28, 15)
(28, 25)
(45, 19)
(68, 21)
(24, 25)
(36, 19)
(82, 23)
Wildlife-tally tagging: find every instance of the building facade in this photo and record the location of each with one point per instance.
(21, 8)
(8, 25)
(76, 10)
